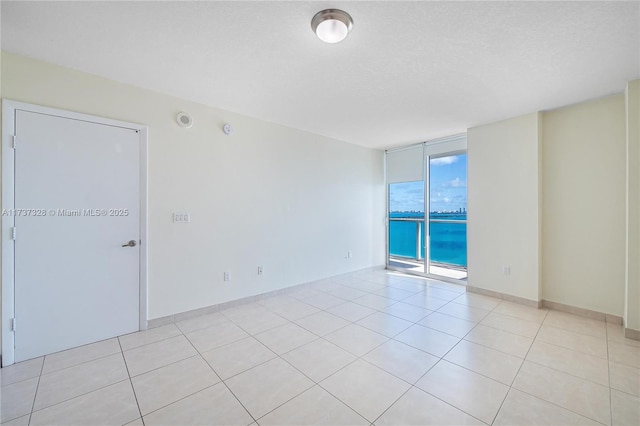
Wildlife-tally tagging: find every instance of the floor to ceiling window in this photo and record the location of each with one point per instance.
(427, 184)
(448, 215)
(406, 225)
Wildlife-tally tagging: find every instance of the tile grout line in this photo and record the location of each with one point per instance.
(465, 368)
(37, 387)
(183, 398)
(361, 358)
(575, 350)
(442, 400)
(557, 327)
(341, 401)
(397, 399)
(74, 397)
(221, 380)
(317, 383)
(413, 385)
(566, 373)
(79, 395)
(551, 368)
(357, 358)
(153, 341)
(463, 338)
(557, 405)
(489, 347)
(288, 400)
(135, 395)
(524, 359)
(519, 368)
(606, 336)
(320, 310)
(82, 362)
(505, 331)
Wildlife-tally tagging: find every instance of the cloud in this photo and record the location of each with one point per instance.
(455, 183)
(406, 196)
(443, 161)
(449, 200)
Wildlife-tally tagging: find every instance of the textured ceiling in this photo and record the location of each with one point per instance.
(408, 72)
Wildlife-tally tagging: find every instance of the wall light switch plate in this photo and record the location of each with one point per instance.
(181, 217)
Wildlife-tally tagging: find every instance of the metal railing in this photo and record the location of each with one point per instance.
(418, 237)
(419, 246)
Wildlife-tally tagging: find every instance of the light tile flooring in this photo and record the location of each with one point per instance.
(374, 348)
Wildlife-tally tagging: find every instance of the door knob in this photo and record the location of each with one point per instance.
(131, 243)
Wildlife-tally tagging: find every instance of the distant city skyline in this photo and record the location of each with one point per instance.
(448, 181)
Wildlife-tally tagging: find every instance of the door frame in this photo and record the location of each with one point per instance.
(9, 110)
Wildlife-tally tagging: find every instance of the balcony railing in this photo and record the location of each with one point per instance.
(448, 240)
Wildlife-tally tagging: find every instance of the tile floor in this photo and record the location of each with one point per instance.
(373, 348)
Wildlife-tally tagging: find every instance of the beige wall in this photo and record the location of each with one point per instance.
(583, 215)
(503, 206)
(268, 195)
(547, 196)
(632, 305)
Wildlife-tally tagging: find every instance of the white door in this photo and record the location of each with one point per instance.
(78, 185)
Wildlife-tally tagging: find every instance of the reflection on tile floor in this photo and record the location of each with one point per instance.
(371, 348)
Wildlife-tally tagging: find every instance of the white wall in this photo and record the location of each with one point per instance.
(632, 305)
(583, 175)
(268, 195)
(503, 206)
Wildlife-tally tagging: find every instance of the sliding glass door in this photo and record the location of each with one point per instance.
(427, 209)
(447, 200)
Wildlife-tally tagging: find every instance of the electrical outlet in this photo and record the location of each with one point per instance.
(227, 276)
(506, 270)
(260, 270)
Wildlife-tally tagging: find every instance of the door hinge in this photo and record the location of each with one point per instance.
(13, 324)
(14, 139)
(13, 233)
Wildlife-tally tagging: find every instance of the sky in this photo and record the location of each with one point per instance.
(448, 187)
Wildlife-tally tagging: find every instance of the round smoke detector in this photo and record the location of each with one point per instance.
(184, 119)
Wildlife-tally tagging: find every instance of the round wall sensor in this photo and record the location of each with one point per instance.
(184, 119)
(227, 129)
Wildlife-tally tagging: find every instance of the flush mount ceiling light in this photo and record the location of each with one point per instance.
(332, 25)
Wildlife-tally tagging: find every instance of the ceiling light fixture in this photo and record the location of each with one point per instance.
(332, 25)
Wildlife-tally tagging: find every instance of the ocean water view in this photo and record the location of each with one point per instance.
(448, 239)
